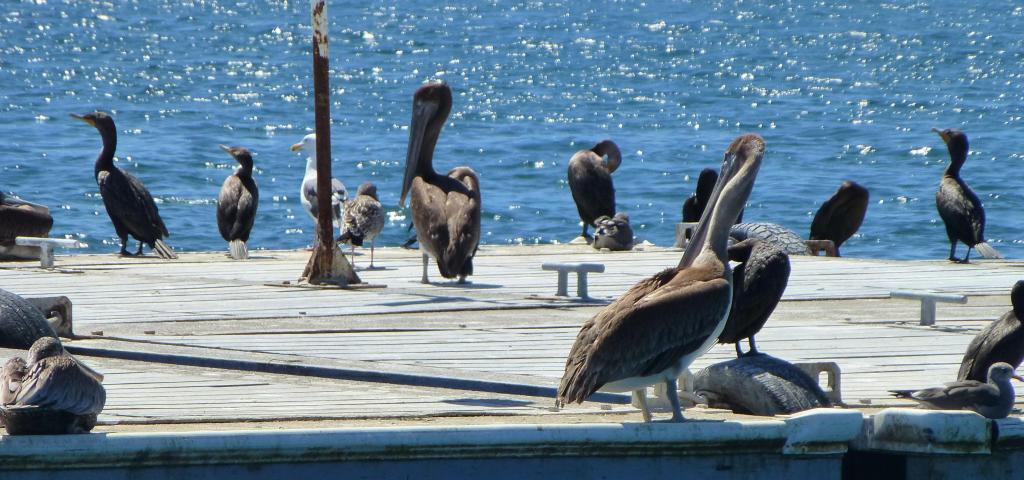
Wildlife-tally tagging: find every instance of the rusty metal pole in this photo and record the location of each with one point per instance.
(324, 265)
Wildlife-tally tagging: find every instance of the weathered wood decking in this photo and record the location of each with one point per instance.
(505, 325)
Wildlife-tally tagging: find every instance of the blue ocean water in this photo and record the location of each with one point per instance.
(839, 91)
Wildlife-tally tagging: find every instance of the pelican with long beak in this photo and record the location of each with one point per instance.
(656, 329)
(445, 208)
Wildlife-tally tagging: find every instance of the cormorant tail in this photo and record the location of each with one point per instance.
(987, 250)
(163, 249)
(239, 250)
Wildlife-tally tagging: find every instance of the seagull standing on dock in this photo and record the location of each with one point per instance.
(307, 191)
(363, 220)
(656, 329)
(993, 399)
(130, 206)
(237, 203)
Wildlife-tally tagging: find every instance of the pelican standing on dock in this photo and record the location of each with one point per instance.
(841, 215)
(307, 191)
(758, 283)
(19, 218)
(237, 203)
(130, 206)
(1000, 341)
(959, 207)
(656, 329)
(363, 220)
(445, 208)
(590, 181)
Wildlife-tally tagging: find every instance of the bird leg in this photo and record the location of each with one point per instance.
(138, 252)
(967, 258)
(640, 398)
(739, 351)
(353, 255)
(672, 389)
(753, 347)
(124, 247)
(371, 252)
(952, 252)
(425, 279)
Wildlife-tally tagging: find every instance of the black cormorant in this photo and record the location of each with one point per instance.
(758, 283)
(590, 181)
(1000, 341)
(841, 215)
(959, 207)
(237, 203)
(130, 206)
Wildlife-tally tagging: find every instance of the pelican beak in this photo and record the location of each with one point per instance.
(83, 118)
(422, 113)
(700, 233)
(942, 135)
(296, 147)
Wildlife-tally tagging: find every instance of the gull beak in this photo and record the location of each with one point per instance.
(296, 147)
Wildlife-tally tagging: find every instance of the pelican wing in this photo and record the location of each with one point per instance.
(60, 384)
(129, 203)
(961, 210)
(646, 331)
(591, 186)
(23, 221)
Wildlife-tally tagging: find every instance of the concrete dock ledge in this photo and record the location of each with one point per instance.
(794, 446)
(903, 430)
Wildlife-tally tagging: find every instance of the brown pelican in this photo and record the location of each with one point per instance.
(959, 207)
(19, 218)
(236, 205)
(55, 382)
(307, 191)
(993, 399)
(757, 286)
(445, 209)
(841, 215)
(652, 332)
(590, 181)
(130, 206)
(613, 233)
(363, 219)
(1001, 341)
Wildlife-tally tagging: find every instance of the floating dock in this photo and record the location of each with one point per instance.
(204, 351)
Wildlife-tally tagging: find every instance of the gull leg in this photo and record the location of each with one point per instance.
(352, 253)
(425, 279)
(640, 398)
(371, 252)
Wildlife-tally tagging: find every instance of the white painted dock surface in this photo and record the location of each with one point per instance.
(506, 324)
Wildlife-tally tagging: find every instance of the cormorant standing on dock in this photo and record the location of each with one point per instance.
(130, 206)
(959, 207)
(590, 181)
(237, 203)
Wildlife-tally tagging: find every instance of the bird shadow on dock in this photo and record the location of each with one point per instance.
(489, 402)
(471, 285)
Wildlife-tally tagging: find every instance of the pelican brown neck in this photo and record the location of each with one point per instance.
(430, 109)
(739, 169)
